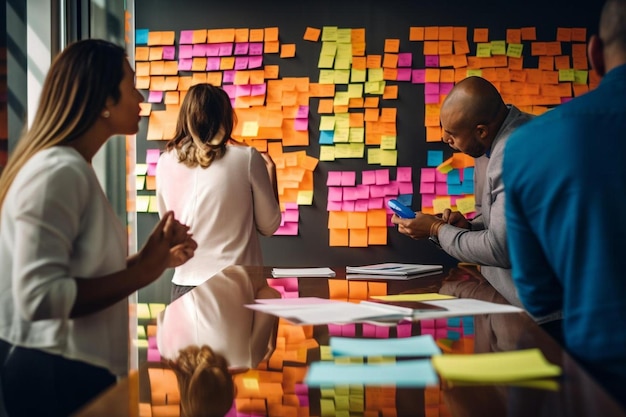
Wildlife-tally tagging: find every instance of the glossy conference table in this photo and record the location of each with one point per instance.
(278, 356)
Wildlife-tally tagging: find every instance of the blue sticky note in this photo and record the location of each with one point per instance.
(141, 36)
(410, 373)
(467, 187)
(327, 137)
(455, 190)
(468, 173)
(454, 177)
(406, 346)
(434, 158)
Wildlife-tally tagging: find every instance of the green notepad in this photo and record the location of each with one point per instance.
(497, 367)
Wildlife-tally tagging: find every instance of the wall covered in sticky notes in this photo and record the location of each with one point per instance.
(345, 96)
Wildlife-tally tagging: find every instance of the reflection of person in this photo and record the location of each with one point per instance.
(476, 121)
(214, 314)
(65, 272)
(205, 384)
(223, 192)
(560, 193)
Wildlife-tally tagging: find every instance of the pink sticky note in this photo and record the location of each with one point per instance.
(404, 174)
(243, 90)
(427, 187)
(184, 64)
(155, 97)
(335, 194)
(440, 176)
(444, 88)
(258, 89)
(288, 229)
(292, 215)
(199, 49)
(363, 191)
(404, 329)
(431, 98)
(334, 329)
(212, 49)
(441, 333)
(431, 60)
(213, 63)
(348, 178)
(256, 48)
(427, 323)
(403, 74)
(347, 206)
(391, 189)
(369, 330)
(427, 200)
(229, 89)
(186, 37)
(441, 188)
(418, 76)
(431, 88)
(405, 188)
(382, 332)
(405, 59)
(349, 193)
(334, 205)
(334, 178)
(229, 76)
(226, 49)
(368, 177)
(301, 125)
(241, 48)
(291, 206)
(185, 51)
(151, 169)
(255, 62)
(303, 111)
(241, 63)
(348, 330)
(377, 191)
(428, 175)
(169, 52)
(361, 205)
(376, 203)
(152, 156)
(382, 176)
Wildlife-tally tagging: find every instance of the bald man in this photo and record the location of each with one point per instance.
(477, 122)
(565, 176)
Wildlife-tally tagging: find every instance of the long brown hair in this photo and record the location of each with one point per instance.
(206, 387)
(205, 123)
(74, 94)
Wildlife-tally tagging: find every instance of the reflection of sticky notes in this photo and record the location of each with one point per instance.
(142, 203)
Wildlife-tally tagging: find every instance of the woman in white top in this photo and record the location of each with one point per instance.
(65, 276)
(225, 193)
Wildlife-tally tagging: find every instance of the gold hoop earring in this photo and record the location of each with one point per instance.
(106, 114)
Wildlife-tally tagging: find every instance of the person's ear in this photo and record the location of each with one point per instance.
(482, 131)
(595, 52)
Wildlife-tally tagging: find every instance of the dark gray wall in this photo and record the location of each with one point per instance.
(382, 20)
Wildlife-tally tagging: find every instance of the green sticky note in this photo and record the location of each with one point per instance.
(566, 75)
(474, 73)
(514, 50)
(483, 50)
(498, 47)
(580, 76)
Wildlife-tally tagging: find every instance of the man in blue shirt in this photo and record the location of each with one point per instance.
(564, 199)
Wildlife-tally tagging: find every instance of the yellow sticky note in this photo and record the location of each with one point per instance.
(466, 204)
(373, 156)
(515, 50)
(388, 157)
(388, 142)
(498, 47)
(483, 50)
(327, 153)
(305, 198)
(250, 129)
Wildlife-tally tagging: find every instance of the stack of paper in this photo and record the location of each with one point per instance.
(302, 272)
(414, 346)
(393, 270)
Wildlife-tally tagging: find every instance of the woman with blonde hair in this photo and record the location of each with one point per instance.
(65, 276)
(226, 193)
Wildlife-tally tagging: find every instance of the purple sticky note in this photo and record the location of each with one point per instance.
(241, 48)
(303, 111)
(334, 178)
(186, 37)
(444, 88)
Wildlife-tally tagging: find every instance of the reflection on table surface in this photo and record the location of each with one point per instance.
(270, 361)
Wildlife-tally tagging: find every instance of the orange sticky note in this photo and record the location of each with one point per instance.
(529, 34)
(377, 236)
(431, 33)
(338, 237)
(374, 61)
(358, 238)
(564, 34)
(579, 35)
(513, 36)
(271, 34)
(481, 35)
(392, 45)
(256, 35)
(446, 33)
(390, 60)
(288, 50)
(416, 33)
(338, 289)
(325, 106)
(459, 33)
(390, 92)
(312, 34)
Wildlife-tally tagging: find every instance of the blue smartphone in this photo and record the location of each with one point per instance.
(400, 209)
